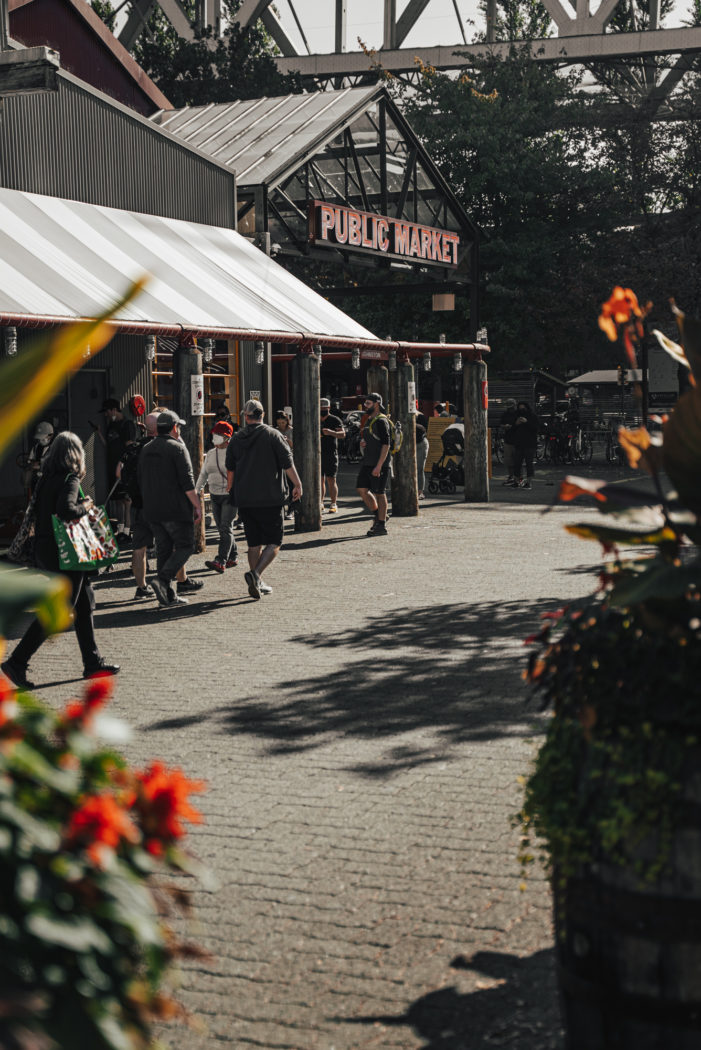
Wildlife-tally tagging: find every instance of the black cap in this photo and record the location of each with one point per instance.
(374, 397)
(109, 402)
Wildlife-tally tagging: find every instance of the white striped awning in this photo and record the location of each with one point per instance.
(61, 260)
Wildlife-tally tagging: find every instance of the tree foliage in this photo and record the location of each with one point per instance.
(239, 65)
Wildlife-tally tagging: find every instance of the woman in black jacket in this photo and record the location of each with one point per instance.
(58, 493)
(525, 438)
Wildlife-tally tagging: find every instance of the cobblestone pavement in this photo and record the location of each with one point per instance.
(362, 730)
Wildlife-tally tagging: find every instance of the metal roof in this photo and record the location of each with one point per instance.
(63, 259)
(262, 138)
(607, 375)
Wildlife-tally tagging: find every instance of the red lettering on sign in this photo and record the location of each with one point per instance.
(446, 248)
(436, 245)
(425, 243)
(401, 238)
(354, 231)
(383, 235)
(327, 219)
(415, 248)
(369, 240)
(341, 226)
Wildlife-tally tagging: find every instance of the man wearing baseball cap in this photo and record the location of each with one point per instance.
(374, 468)
(258, 459)
(331, 430)
(171, 506)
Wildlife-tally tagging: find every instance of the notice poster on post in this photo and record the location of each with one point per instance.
(197, 395)
(411, 392)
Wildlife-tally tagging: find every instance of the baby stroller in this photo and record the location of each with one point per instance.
(449, 471)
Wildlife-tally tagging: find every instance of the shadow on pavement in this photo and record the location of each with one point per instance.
(453, 671)
(515, 1006)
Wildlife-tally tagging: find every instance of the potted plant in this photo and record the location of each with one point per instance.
(614, 798)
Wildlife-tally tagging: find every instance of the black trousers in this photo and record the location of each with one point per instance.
(522, 455)
(83, 602)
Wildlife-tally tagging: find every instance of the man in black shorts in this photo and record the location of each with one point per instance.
(257, 460)
(331, 430)
(374, 468)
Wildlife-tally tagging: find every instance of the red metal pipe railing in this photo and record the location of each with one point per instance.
(305, 338)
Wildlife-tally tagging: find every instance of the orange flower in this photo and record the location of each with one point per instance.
(8, 705)
(619, 309)
(100, 824)
(97, 693)
(163, 804)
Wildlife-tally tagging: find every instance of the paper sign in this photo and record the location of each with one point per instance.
(411, 390)
(197, 395)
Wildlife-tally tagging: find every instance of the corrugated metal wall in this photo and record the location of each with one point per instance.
(75, 144)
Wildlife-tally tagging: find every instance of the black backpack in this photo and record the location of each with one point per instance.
(130, 465)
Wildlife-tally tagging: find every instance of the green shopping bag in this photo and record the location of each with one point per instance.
(86, 543)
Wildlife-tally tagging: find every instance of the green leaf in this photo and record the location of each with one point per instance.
(36, 832)
(29, 761)
(656, 579)
(628, 537)
(76, 934)
(23, 589)
(681, 449)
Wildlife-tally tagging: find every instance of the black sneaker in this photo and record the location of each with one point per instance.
(160, 589)
(144, 592)
(101, 667)
(378, 529)
(17, 674)
(253, 582)
(190, 585)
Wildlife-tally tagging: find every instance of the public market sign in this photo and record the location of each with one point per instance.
(335, 226)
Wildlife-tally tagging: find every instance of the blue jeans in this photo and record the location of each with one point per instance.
(224, 514)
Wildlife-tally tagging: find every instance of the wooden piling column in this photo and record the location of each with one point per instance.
(307, 440)
(188, 365)
(378, 382)
(475, 415)
(405, 495)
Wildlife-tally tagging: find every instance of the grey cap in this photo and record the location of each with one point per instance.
(325, 403)
(254, 409)
(374, 397)
(168, 419)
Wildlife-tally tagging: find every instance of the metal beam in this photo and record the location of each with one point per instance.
(249, 11)
(340, 26)
(274, 27)
(389, 36)
(134, 26)
(408, 19)
(564, 50)
(177, 17)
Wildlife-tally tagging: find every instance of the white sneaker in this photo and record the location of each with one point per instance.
(264, 588)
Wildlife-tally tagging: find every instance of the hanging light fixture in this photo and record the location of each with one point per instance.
(427, 361)
(481, 336)
(392, 361)
(207, 351)
(355, 358)
(10, 340)
(457, 362)
(441, 337)
(260, 353)
(150, 348)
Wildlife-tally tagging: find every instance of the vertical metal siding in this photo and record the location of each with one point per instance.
(251, 373)
(128, 371)
(74, 144)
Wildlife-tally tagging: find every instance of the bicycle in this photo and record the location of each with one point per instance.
(498, 445)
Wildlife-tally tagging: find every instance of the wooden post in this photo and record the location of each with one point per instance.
(378, 382)
(405, 495)
(475, 414)
(307, 441)
(188, 362)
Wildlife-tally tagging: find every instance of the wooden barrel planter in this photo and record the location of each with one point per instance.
(629, 951)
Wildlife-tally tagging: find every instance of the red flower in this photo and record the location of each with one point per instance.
(163, 804)
(7, 702)
(619, 309)
(100, 824)
(97, 692)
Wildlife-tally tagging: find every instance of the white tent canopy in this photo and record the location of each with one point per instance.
(63, 260)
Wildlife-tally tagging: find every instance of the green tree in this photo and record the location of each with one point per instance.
(513, 142)
(239, 65)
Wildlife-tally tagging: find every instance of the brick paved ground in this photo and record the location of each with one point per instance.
(362, 731)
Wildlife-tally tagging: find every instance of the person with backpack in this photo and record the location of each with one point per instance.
(376, 443)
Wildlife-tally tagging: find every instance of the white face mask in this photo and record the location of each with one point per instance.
(217, 439)
(45, 439)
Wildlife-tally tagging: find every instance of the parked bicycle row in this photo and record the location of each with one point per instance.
(561, 442)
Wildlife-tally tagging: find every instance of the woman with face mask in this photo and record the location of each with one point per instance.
(43, 436)
(214, 476)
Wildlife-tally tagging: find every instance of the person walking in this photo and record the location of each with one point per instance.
(58, 492)
(331, 430)
(171, 506)
(214, 476)
(525, 437)
(258, 461)
(421, 456)
(284, 425)
(506, 421)
(119, 433)
(374, 468)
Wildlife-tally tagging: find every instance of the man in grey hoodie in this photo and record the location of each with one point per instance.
(257, 460)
